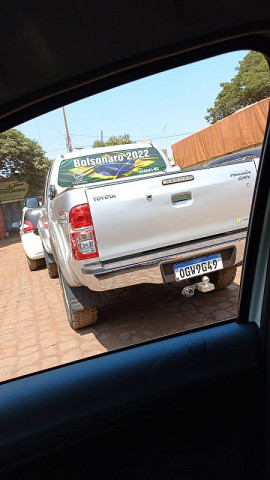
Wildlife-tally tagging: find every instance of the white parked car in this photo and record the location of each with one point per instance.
(30, 237)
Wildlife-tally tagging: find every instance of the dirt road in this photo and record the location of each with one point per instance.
(35, 333)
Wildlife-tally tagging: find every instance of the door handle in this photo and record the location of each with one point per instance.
(181, 197)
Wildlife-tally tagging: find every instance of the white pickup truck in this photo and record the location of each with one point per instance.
(119, 216)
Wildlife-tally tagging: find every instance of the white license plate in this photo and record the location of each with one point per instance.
(197, 266)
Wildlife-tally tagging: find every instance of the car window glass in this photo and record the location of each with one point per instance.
(144, 216)
(104, 166)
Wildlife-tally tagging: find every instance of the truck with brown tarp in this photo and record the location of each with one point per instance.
(242, 130)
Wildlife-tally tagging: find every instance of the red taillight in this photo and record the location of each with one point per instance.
(80, 216)
(82, 233)
(45, 223)
(28, 226)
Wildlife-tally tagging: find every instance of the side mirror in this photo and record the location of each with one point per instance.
(15, 225)
(31, 202)
(52, 192)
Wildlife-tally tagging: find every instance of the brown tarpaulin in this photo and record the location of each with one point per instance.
(243, 129)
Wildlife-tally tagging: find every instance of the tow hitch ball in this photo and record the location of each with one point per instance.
(203, 286)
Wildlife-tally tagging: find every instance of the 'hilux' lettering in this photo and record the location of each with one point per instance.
(104, 197)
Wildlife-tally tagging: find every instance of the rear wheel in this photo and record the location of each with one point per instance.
(32, 264)
(78, 318)
(83, 318)
(223, 278)
(52, 270)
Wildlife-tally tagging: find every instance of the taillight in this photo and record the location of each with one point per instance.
(28, 226)
(82, 233)
(45, 223)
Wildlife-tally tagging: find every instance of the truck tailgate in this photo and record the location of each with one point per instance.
(137, 216)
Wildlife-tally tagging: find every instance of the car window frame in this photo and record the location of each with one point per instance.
(50, 171)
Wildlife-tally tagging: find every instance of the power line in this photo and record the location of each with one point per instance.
(138, 136)
(96, 137)
(55, 150)
(89, 136)
(172, 136)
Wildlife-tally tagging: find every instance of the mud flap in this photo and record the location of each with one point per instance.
(79, 298)
(49, 258)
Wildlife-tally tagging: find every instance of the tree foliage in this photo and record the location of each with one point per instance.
(120, 140)
(251, 84)
(24, 158)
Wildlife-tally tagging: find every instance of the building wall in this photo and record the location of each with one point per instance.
(12, 194)
(12, 212)
(3, 229)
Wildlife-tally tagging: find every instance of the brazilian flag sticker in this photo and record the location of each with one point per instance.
(109, 166)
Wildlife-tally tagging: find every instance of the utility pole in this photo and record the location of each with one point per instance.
(101, 138)
(69, 146)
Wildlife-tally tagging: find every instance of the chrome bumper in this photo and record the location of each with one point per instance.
(146, 268)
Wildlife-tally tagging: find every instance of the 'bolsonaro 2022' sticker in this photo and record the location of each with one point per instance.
(109, 166)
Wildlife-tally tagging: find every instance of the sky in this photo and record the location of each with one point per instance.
(163, 108)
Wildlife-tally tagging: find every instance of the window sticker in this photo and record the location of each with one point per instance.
(110, 166)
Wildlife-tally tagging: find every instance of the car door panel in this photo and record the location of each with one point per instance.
(164, 406)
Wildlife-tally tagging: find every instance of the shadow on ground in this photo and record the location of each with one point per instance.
(132, 315)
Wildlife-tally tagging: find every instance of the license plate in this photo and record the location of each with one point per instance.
(197, 266)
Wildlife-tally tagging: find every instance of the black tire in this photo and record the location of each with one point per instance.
(32, 264)
(223, 278)
(78, 318)
(52, 270)
(41, 262)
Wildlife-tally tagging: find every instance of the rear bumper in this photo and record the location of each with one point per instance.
(32, 246)
(150, 267)
(36, 256)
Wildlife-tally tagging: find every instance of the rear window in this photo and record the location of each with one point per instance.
(110, 165)
(32, 215)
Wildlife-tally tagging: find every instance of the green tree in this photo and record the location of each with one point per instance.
(24, 158)
(120, 140)
(251, 84)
